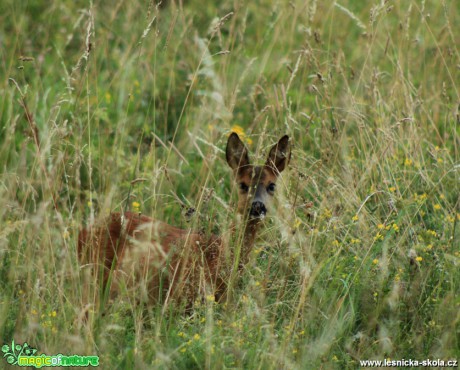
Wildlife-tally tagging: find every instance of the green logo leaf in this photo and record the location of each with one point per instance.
(12, 353)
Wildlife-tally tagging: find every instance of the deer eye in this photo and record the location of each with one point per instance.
(271, 188)
(244, 187)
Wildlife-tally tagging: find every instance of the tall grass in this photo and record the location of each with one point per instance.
(108, 103)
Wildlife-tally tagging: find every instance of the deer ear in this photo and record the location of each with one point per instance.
(236, 152)
(279, 155)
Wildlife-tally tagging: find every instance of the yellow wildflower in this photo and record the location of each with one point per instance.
(327, 213)
(420, 198)
(238, 130)
(210, 298)
(297, 223)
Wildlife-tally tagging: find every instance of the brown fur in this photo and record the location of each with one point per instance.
(166, 262)
(140, 249)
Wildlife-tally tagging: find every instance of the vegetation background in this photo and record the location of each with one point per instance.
(360, 256)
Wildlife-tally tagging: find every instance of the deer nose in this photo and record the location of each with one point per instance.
(258, 209)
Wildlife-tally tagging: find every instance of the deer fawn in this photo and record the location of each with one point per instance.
(168, 263)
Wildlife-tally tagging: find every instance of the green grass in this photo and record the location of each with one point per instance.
(360, 257)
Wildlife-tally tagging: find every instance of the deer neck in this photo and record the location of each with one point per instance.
(242, 232)
(251, 228)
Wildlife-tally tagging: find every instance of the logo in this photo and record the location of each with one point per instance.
(25, 355)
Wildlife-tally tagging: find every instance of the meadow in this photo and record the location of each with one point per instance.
(127, 105)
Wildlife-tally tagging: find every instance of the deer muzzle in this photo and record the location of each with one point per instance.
(258, 210)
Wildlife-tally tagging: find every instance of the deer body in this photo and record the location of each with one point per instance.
(166, 262)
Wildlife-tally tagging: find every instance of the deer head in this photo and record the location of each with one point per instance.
(257, 184)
